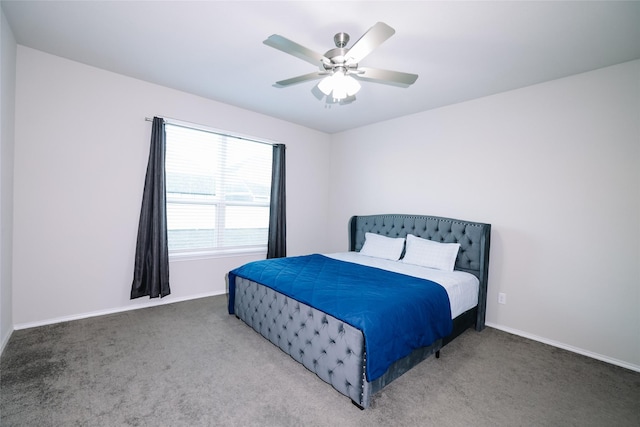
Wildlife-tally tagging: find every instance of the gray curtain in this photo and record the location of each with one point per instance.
(277, 243)
(151, 271)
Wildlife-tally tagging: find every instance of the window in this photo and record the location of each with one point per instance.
(218, 191)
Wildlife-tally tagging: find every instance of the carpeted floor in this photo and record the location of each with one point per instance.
(191, 364)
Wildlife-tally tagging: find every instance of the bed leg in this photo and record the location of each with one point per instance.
(357, 405)
(438, 354)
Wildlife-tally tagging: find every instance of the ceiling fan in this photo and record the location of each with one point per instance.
(339, 67)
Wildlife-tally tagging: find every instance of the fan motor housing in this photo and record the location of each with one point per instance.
(337, 57)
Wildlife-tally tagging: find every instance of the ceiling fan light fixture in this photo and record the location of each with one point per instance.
(339, 85)
(339, 93)
(326, 85)
(351, 85)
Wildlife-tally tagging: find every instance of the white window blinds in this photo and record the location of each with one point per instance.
(218, 191)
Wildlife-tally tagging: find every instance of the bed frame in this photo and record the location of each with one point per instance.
(333, 349)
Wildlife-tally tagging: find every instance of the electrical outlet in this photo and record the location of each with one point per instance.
(502, 298)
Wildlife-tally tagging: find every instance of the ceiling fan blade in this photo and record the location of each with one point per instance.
(292, 48)
(395, 78)
(300, 79)
(370, 40)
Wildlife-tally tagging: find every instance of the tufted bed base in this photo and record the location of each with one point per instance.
(328, 347)
(333, 349)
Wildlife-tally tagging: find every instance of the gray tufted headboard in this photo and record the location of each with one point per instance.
(474, 239)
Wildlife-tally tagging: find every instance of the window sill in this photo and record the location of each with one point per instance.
(199, 255)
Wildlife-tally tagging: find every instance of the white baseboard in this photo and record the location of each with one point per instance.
(563, 346)
(148, 303)
(157, 302)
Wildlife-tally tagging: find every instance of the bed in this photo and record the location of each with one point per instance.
(303, 304)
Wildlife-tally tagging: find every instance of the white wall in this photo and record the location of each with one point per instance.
(7, 110)
(81, 149)
(555, 168)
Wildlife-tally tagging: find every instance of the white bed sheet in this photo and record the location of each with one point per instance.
(462, 287)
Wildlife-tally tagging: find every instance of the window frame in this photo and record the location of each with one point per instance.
(219, 251)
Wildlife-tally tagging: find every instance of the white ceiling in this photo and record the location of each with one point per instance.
(460, 50)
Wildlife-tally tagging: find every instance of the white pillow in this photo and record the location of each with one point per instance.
(428, 253)
(385, 247)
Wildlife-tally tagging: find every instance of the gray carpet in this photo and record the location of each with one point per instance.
(191, 364)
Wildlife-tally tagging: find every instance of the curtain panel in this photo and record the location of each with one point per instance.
(151, 271)
(277, 240)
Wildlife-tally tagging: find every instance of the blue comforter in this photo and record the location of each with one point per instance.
(395, 312)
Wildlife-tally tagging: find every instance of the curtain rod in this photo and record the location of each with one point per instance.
(204, 128)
